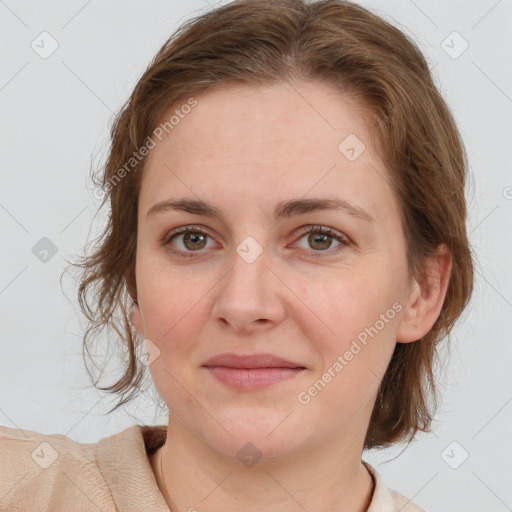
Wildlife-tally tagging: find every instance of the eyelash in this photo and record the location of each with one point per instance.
(323, 230)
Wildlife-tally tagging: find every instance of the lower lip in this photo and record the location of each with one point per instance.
(252, 378)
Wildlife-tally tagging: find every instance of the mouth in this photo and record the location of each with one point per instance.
(250, 361)
(252, 372)
(252, 378)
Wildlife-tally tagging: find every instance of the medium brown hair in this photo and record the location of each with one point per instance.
(413, 131)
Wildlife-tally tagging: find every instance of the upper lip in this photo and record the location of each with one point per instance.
(251, 361)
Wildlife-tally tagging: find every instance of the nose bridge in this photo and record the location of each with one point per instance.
(247, 292)
(249, 266)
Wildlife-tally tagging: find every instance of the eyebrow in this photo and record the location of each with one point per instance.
(284, 209)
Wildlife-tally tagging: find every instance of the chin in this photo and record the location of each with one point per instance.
(257, 433)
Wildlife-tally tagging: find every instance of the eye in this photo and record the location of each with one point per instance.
(320, 238)
(190, 240)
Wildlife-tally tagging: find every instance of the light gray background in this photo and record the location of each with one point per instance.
(55, 115)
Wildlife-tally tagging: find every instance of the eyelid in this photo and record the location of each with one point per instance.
(168, 235)
(324, 230)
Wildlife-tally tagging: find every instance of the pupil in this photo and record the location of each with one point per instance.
(194, 237)
(321, 239)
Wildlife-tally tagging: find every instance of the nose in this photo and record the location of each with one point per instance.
(249, 297)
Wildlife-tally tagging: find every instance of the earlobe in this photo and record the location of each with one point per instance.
(136, 318)
(425, 301)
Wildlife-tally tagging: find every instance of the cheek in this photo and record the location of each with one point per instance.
(172, 322)
(345, 302)
(351, 317)
(174, 308)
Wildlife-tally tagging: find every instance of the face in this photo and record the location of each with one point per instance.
(249, 282)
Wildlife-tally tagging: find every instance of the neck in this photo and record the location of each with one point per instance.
(320, 478)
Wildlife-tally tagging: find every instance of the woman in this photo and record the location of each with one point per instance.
(287, 235)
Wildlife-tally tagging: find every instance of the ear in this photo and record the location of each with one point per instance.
(425, 299)
(136, 318)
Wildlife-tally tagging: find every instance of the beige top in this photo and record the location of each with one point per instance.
(53, 473)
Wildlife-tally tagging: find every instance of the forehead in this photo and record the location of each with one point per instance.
(300, 114)
(266, 142)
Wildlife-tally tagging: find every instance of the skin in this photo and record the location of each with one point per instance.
(244, 149)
